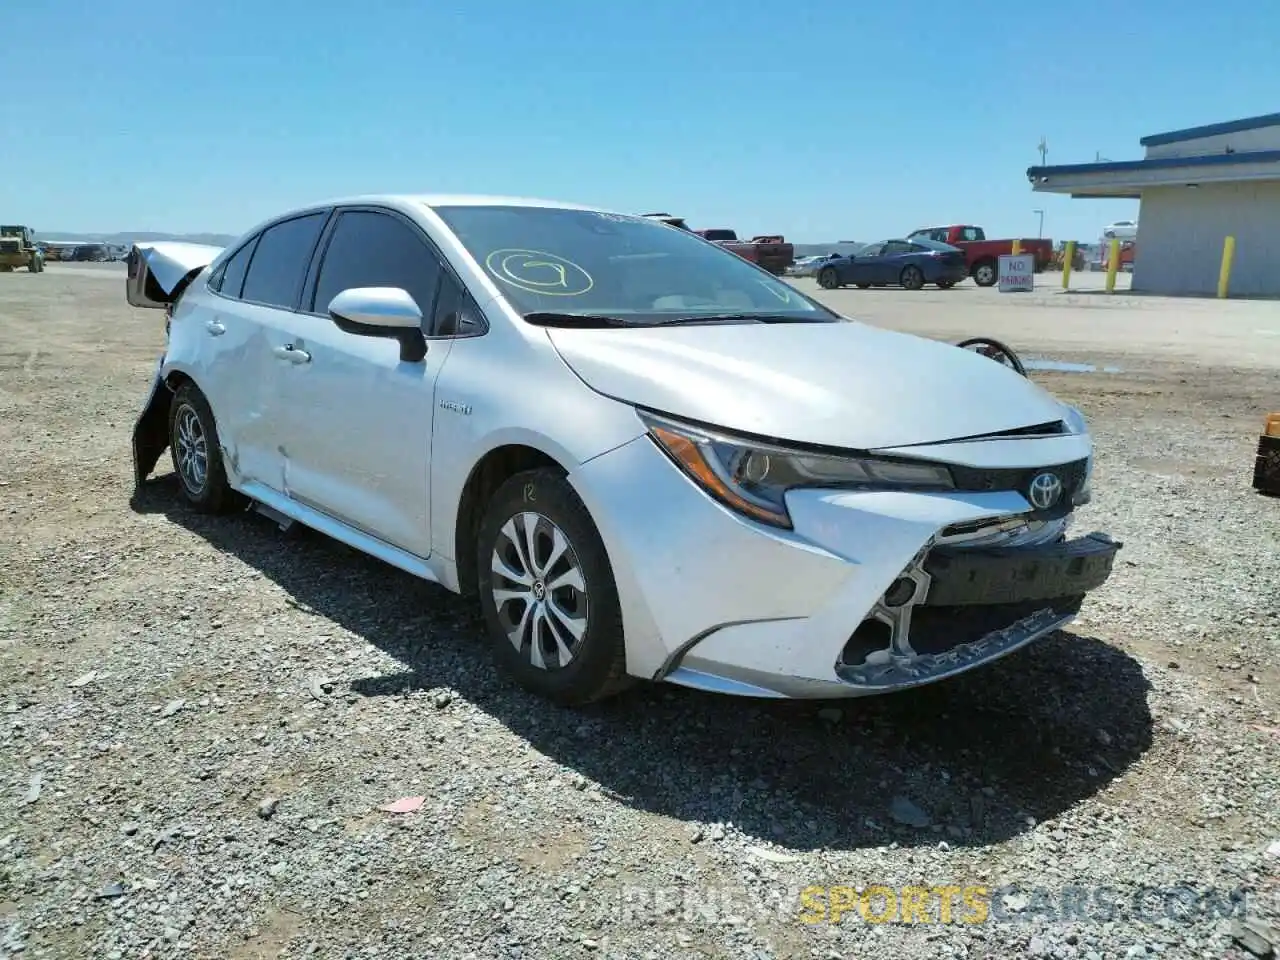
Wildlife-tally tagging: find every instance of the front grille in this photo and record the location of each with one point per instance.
(987, 480)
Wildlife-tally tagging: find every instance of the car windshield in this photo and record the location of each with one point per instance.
(551, 261)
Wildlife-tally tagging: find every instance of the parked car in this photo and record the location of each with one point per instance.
(908, 263)
(982, 256)
(1121, 230)
(643, 455)
(808, 266)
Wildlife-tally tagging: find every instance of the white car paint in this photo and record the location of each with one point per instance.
(378, 451)
(1121, 230)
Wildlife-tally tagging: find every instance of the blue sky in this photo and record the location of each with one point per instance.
(823, 121)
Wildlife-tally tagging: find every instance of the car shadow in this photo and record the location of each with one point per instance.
(971, 761)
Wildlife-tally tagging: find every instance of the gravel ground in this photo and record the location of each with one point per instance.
(201, 718)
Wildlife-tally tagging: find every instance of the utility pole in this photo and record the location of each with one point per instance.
(1040, 232)
(1044, 149)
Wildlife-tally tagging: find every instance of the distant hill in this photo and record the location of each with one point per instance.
(126, 238)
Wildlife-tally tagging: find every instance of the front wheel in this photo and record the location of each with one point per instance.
(197, 453)
(547, 592)
(828, 279)
(912, 277)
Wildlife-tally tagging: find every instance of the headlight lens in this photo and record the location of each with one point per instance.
(1074, 419)
(753, 478)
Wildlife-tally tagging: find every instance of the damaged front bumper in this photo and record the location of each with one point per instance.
(870, 592)
(960, 607)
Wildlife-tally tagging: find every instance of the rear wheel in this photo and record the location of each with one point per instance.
(828, 279)
(547, 592)
(984, 273)
(197, 454)
(912, 277)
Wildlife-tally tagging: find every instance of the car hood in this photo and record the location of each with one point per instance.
(846, 385)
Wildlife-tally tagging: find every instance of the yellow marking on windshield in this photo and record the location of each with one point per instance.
(536, 271)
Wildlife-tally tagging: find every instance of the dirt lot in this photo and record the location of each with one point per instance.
(201, 718)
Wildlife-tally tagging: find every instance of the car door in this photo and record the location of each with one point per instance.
(231, 365)
(865, 266)
(261, 302)
(357, 418)
(893, 258)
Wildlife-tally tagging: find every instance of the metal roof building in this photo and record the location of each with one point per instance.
(1196, 187)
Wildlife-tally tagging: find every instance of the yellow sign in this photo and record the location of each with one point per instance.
(883, 904)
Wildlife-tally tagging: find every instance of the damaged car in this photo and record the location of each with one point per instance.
(645, 457)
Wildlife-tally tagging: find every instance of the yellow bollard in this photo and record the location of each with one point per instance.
(1017, 248)
(1224, 274)
(1068, 255)
(1113, 265)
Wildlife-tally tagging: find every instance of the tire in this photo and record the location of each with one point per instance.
(192, 434)
(863, 286)
(828, 279)
(995, 350)
(946, 284)
(911, 278)
(984, 273)
(596, 668)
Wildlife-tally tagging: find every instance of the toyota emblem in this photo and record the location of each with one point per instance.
(1045, 491)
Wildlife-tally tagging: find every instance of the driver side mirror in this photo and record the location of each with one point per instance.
(381, 312)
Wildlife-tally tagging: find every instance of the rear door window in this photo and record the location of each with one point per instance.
(280, 260)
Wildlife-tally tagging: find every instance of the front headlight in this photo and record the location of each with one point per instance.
(753, 478)
(1074, 419)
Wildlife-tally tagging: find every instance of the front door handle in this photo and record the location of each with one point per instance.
(292, 354)
(215, 328)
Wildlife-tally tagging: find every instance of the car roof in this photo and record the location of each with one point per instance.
(460, 200)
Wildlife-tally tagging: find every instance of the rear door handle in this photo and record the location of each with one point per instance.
(292, 354)
(215, 328)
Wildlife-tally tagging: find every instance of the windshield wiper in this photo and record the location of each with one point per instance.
(710, 318)
(552, 319)
(738, 318)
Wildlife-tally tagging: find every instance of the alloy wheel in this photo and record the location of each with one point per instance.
(192, 448)
(539, 591)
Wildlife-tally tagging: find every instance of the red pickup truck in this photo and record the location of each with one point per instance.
(772, 253)
(982, 255)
